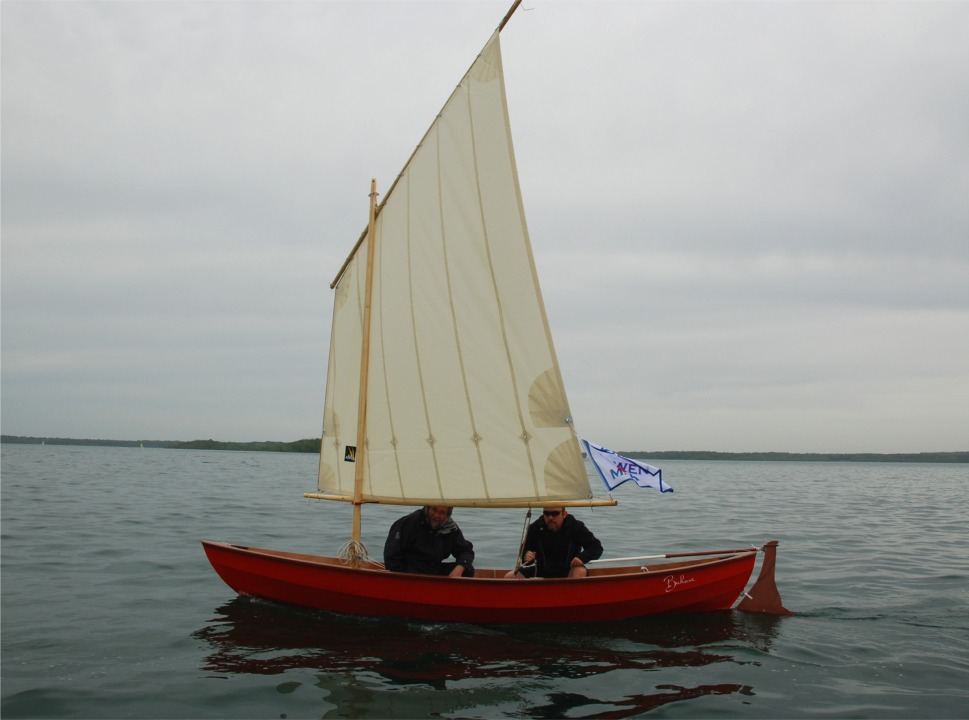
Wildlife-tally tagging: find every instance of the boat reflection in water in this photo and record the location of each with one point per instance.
(391, 667)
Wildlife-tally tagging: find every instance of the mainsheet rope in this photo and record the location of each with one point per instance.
(521, 545)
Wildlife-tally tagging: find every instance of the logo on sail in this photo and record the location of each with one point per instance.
(350, 454)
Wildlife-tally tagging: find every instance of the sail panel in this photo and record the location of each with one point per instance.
(465, 400)
(343, 380)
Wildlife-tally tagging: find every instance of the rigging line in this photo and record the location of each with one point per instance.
(521, 545)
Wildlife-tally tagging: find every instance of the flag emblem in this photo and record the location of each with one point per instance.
(614, 469)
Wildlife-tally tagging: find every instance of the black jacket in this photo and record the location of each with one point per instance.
(554, 550)
(412, 546)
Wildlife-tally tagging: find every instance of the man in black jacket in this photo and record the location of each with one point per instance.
(559, 545)
(421, 541)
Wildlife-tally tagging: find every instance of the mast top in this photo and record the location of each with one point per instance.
(504, 20)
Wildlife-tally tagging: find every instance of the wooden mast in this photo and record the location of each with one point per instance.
(356, 553)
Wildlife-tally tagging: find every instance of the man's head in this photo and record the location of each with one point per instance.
(437, 515)
(554, 517)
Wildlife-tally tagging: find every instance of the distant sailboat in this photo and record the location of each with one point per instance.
(443, 388)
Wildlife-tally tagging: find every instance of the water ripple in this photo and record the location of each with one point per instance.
(111, 610)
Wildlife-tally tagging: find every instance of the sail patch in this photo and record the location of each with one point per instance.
(547, 404)
(565, 476)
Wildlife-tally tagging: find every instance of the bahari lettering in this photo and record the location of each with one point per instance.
(673, 582)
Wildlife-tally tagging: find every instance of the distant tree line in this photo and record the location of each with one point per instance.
(21, 440)
(934, 457)
(312, 445)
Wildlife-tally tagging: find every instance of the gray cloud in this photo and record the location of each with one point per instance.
(750, 219)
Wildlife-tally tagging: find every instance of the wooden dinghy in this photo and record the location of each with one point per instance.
(444, 389)
(710, 581)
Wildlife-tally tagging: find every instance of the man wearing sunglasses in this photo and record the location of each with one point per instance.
(557, 545)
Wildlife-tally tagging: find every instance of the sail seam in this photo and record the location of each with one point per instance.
(450, 294)
(383, 355)
(484, 231)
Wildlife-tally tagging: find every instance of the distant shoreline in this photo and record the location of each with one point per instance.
(312, 445)
(929, 457)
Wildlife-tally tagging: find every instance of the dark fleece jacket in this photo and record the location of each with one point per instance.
(413, 546)
(554, 550)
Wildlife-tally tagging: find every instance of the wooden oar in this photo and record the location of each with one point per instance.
(676, 555)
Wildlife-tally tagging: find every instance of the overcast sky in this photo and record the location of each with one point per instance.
(751, 220)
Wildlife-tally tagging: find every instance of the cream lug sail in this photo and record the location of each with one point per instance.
(465, 403)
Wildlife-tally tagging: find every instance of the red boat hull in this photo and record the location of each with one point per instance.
(323, 583)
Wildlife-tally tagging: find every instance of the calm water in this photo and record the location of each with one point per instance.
(110, 609)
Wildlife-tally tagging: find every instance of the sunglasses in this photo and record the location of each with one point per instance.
(551, 513)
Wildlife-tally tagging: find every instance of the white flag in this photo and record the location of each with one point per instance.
(615, 470)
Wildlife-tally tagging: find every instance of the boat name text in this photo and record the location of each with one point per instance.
(674, 582)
